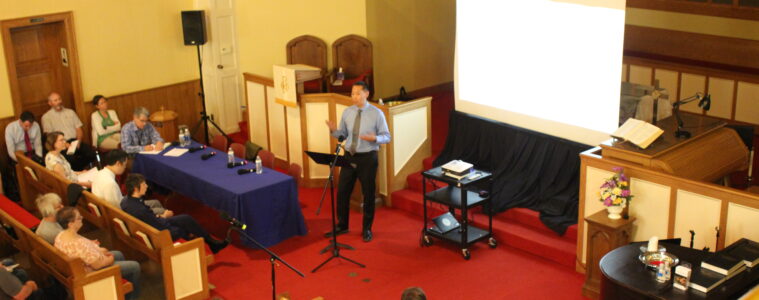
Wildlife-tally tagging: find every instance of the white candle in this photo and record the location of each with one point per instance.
(653, 244)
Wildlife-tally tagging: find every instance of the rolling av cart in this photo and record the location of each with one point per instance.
(462, 194)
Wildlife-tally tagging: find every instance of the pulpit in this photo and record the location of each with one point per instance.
(164, 122)
(288, 82)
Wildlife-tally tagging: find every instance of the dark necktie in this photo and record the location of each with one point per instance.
(354, 135)
(28, 143)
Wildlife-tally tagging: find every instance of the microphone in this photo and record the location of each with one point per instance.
(237, 164)
(174, 143)
(340, 139)
(232, 221)
(207, 155)
(246, 171)
(196, 149)
(706, 102)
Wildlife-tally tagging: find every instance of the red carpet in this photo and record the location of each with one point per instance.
(394, 261)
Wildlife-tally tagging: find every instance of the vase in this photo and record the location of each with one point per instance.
(615, 211)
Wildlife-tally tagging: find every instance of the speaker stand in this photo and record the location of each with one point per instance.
(204, 119)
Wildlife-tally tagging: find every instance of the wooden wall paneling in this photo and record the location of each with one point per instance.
(699, 8)
(747, 102)
(640, 74)
(722, 94)
(741, 222)
(726, 53)
(650, 197)
(693, 198)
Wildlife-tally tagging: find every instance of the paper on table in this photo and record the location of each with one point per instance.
(72, 147)
(150, 152)
(176, 152)
(87, 176)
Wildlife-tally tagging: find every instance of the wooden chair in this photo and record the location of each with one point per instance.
(295, 171)
(238, 149)
(267, 158)
(219, 142)
(312, 51)
(353, 53)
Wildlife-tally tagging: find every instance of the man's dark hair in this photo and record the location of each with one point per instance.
(133, 182)
(27, 116)
(363, 85)
(115, 156)
(413, 293)
(65, 215)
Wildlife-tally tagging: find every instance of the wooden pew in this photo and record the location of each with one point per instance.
(184, 265)
(105, 284)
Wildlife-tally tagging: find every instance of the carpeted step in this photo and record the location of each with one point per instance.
(530, 240)
(508, 230)
(531, 218)
(414, 183)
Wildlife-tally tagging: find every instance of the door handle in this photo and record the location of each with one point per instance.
(219, 67)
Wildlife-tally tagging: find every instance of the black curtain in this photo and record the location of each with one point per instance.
(530, 169)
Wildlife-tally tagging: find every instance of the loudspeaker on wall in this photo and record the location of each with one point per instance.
(194, 27)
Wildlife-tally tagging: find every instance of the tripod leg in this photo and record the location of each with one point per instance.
(218, 128)
(322, 264)
(350, 260)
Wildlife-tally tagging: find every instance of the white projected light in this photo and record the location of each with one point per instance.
(551, 66)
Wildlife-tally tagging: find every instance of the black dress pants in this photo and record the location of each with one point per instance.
(364, 168)
(185, 227)
(82, 158)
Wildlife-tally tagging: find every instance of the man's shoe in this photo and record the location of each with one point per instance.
(367, 236)
(338, 230)
(217, 245)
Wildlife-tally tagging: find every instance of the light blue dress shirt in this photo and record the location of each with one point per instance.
(372, 122)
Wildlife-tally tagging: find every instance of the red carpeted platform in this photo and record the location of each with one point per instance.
(394, 261)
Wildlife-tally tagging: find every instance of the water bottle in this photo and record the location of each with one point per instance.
(230, 156)
(181, 138)
(259, 165)
(187, 137)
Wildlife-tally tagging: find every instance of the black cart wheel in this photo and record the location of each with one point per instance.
(425, 240)
(492, 243)
(466, 254)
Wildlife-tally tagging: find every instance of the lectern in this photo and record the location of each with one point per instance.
(288, 82)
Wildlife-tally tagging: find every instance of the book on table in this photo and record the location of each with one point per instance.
(638, 132)
(745, 250)
(722, 263)
(705, 280)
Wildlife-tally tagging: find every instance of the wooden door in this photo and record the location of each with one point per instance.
(41, 63)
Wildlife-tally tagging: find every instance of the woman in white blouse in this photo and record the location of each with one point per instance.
(106, 128)
(54, 160)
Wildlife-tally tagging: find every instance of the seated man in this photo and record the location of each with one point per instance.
(106, 187)
(24, 135)
(65, 120)
(139, 135)
(181, 226)
(48, 205)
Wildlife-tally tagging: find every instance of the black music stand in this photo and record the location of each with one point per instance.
(331, 160)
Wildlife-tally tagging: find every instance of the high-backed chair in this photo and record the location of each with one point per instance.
(295, 171)
(219, 142)
(353, 53)
(312, 51)
(267, 158)
(238, 149)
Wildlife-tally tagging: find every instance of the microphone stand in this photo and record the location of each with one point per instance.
(334, 245)
(272, 260)
(704, 102)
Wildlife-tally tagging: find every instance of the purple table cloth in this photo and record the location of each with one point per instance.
(267, 203)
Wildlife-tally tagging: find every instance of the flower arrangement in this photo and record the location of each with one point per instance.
(615, 191)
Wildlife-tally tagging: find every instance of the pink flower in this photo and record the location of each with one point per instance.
(623, 177)
(617, 169)
(607, 201)
(625, 193)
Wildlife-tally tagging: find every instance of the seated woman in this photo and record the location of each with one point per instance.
(106, 128)
(54, 160)
(95, 257)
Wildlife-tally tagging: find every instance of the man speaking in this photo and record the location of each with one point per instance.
(364, 128)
